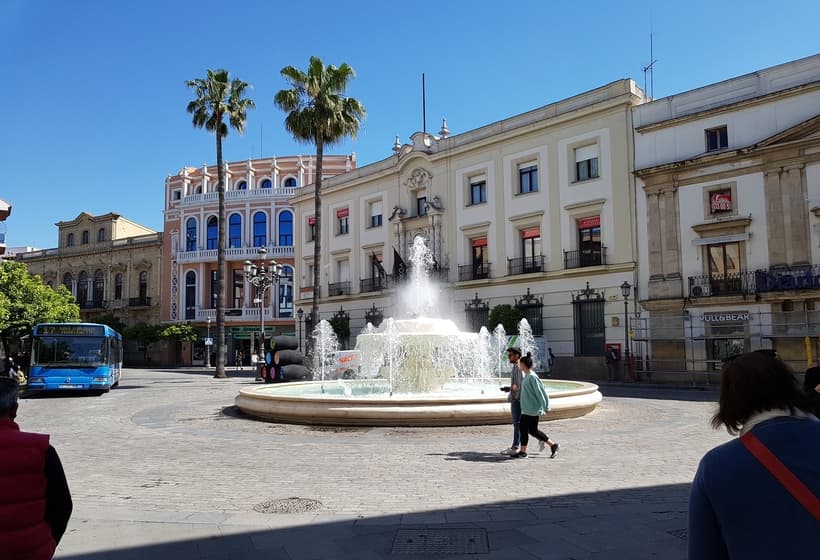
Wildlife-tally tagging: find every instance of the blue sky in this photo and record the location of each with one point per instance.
(94, 100)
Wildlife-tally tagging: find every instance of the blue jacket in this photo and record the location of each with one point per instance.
(738, 510)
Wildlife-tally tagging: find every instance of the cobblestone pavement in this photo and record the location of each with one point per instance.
(165, 467)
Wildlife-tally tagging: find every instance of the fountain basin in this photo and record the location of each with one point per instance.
(306, 403)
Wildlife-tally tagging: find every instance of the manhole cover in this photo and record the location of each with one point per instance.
(287, 505)
(441, 541)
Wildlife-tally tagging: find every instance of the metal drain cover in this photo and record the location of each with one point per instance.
(441, 541)
(288, 505)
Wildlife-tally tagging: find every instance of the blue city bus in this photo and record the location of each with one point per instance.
(74, 356)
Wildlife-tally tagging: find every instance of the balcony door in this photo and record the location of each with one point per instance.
(724, 268)
(589, 241)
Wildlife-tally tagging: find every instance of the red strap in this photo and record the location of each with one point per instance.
(782, 473)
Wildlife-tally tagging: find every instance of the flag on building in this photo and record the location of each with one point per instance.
(399, 266)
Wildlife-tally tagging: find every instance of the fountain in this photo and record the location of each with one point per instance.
(415, 370)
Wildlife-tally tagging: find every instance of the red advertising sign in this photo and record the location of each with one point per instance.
(591, 222)
(721, 201)
(311, 221)
(343, 213)
(482, 242)
(530, 233)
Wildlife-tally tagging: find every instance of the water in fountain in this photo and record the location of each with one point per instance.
(526, 341)
(325, 346)
(484, 357)
(498, 347)
(419, 352)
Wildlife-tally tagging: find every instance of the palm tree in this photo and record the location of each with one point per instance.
(217, 96)
(319, 113)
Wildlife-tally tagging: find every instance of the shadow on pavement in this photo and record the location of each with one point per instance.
(635, 523)
(473, 456)
(639, 391)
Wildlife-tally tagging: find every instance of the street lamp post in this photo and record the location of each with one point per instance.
(263, 278)
(625, 290)
(208, 346)
(300, 315)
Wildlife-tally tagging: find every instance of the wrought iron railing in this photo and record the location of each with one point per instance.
(338, 289)
(478, 271)
(376, 284)
(585, 257)
(139, 302)
(525, 265)
(736, 283)
(93, 304)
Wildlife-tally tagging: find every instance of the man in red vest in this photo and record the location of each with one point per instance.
(35, 503)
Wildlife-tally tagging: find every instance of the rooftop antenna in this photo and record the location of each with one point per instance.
(650, 69)
(423, 105)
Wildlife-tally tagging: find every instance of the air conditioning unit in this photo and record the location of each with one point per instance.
(697, 291)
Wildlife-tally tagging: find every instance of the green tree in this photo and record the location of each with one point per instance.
(506, 315)
(217, 97)
(179, 333)
(112, 321)
(319, 113)
(26, 301)
(144, 335)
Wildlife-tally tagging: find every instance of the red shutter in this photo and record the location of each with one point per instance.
(311, 221)
(594, 221)
(343, 213)
(530, 233)
(482, 242)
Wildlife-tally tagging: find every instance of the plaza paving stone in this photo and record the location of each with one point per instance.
(165, 467)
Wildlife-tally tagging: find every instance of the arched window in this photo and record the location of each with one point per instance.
(85, 237)
(101, 234)
(190, 295)
(235, 231)
(213, 232)
(260, 227)
(190, 234)
(290, 182)
(198, 189)
(143, 286)
(118, 286)
(69, 240)
(242, 186)
(266, 184)
(99, 287)
(68, 282)
(286, 292)
(286, 228)
(82, 288)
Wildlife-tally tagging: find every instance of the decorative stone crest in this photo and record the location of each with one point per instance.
(419, 179)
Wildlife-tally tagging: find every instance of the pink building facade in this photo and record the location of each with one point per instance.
(258, 215)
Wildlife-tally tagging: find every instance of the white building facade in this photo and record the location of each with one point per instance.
(729, 205)
(535, 211)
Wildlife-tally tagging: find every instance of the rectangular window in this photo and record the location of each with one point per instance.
(343, 219)
(479, 258)
(478, 193)
(311, 229)
(421, 206)
(586, 163)
(589, 241)
(376, 214)
(531, 244)
(212, 303)
(724, 268)
(717, 138)
(238, 286)
(528, 179)
(309, 276)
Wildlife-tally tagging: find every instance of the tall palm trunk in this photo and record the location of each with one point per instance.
(317, 243)
(220, 266)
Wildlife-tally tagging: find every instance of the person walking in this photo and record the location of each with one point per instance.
(513, 355)
(534, 403)
(35, 503)
(755, 497)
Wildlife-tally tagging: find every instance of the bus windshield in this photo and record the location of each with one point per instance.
(69, 351)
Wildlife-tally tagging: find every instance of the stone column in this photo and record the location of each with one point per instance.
(775, 218)
(669, 235)
(797, 230)
(654, 236)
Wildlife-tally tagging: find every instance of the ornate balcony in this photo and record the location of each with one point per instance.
(376, 284)
(478, 271)
(338, 289)
(584, 258)
(238, 196)
(235, 254)
(93, 304)
(139, 302)
(525, 265)
(733, 284)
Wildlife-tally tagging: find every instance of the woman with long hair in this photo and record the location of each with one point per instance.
(534, 403)
(755, 497)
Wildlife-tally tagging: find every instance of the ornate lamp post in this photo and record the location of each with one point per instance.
(626, 288)
(300, 315)
(263, 278)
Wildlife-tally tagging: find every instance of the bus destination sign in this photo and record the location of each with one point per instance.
(71, 330)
